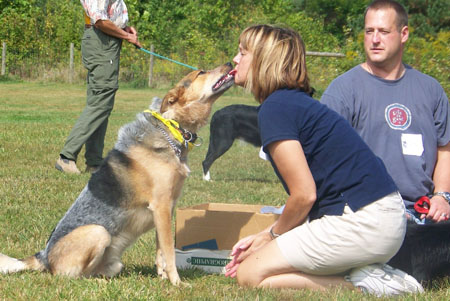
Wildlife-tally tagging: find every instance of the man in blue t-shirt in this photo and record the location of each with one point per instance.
(401, 114)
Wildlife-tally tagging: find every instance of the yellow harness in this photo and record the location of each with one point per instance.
(184, 137)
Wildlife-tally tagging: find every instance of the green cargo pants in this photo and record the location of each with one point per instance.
(101, 55)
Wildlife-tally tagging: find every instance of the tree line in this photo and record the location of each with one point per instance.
(204, 33)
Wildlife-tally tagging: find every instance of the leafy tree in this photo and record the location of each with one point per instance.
(204, 33)
(346, 18)
(340, 17)
(20, 5)
(428, 17)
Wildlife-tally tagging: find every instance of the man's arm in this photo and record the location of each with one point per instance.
(441, 179)
(128, 33)
(441, 176)
(337, 98)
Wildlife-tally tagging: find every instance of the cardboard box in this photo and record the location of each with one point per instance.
(212, 262)
(206, 233)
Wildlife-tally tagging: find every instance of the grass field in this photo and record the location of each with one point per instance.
(36, 118)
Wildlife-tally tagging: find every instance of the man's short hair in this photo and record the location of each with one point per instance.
(402, 15)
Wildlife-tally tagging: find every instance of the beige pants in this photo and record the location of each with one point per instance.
(334, 244)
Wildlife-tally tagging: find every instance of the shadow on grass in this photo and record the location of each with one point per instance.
(150, 271)
(247, 179)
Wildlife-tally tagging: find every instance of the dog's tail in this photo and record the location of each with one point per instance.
(12, 265)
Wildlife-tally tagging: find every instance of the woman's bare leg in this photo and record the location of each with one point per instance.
(267, 267)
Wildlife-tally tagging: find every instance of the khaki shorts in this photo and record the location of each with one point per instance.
(334, 244)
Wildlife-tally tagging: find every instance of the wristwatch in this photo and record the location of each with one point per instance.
(272, 234)
(444, 194)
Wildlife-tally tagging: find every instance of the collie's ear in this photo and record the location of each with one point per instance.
(171, 98)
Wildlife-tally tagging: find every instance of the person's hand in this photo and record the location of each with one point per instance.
(132, 36)
(244, 248)
(439, 210)
(238, 248)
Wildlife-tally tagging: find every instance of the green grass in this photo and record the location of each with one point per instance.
(36, 118)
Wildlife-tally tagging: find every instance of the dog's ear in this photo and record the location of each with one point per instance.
(156, 104)
(166, 103)
(171, 98)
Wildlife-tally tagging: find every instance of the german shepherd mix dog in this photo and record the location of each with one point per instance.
(134, 190)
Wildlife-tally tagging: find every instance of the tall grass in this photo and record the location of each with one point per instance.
(36, 118)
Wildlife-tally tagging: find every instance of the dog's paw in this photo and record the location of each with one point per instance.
(184, 284)
(160, 265)
(174, 278)
(162, 274)
(207, 177)
(177, 282)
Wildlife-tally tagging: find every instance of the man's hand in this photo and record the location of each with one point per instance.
(128, 33)
(439, 210)
(132, 36)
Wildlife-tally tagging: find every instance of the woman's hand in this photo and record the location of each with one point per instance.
(238, 248)
(291, 162)
(244, 248)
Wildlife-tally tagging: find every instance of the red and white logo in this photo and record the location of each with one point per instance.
(398, 116)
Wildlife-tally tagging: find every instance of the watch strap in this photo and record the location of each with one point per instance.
(444, 194)
(272, 234)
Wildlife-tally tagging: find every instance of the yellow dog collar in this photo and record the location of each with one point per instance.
(175, 129)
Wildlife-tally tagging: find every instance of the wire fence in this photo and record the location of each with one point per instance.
(138, 67)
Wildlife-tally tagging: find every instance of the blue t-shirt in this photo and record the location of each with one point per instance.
(403, 121)
(344, 169)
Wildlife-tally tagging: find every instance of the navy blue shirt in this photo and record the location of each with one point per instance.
(344, 169)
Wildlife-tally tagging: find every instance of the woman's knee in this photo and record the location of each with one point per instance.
(248, 276)
(262, 264)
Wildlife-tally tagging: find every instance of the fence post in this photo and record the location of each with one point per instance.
(3, 58)
(150, 68)
(71, 64)
(326, 54)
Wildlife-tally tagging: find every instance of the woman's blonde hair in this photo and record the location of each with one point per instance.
(278, 60)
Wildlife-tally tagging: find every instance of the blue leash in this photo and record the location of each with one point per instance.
(166, 58)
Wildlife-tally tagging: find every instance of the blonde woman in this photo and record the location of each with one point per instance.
(343, 217)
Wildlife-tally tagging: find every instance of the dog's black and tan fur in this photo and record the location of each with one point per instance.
(134, 190)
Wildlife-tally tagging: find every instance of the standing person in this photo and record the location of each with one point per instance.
(400, 113)
(105, 28)
(343, 214)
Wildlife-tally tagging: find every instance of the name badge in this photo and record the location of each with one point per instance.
(412, 144)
